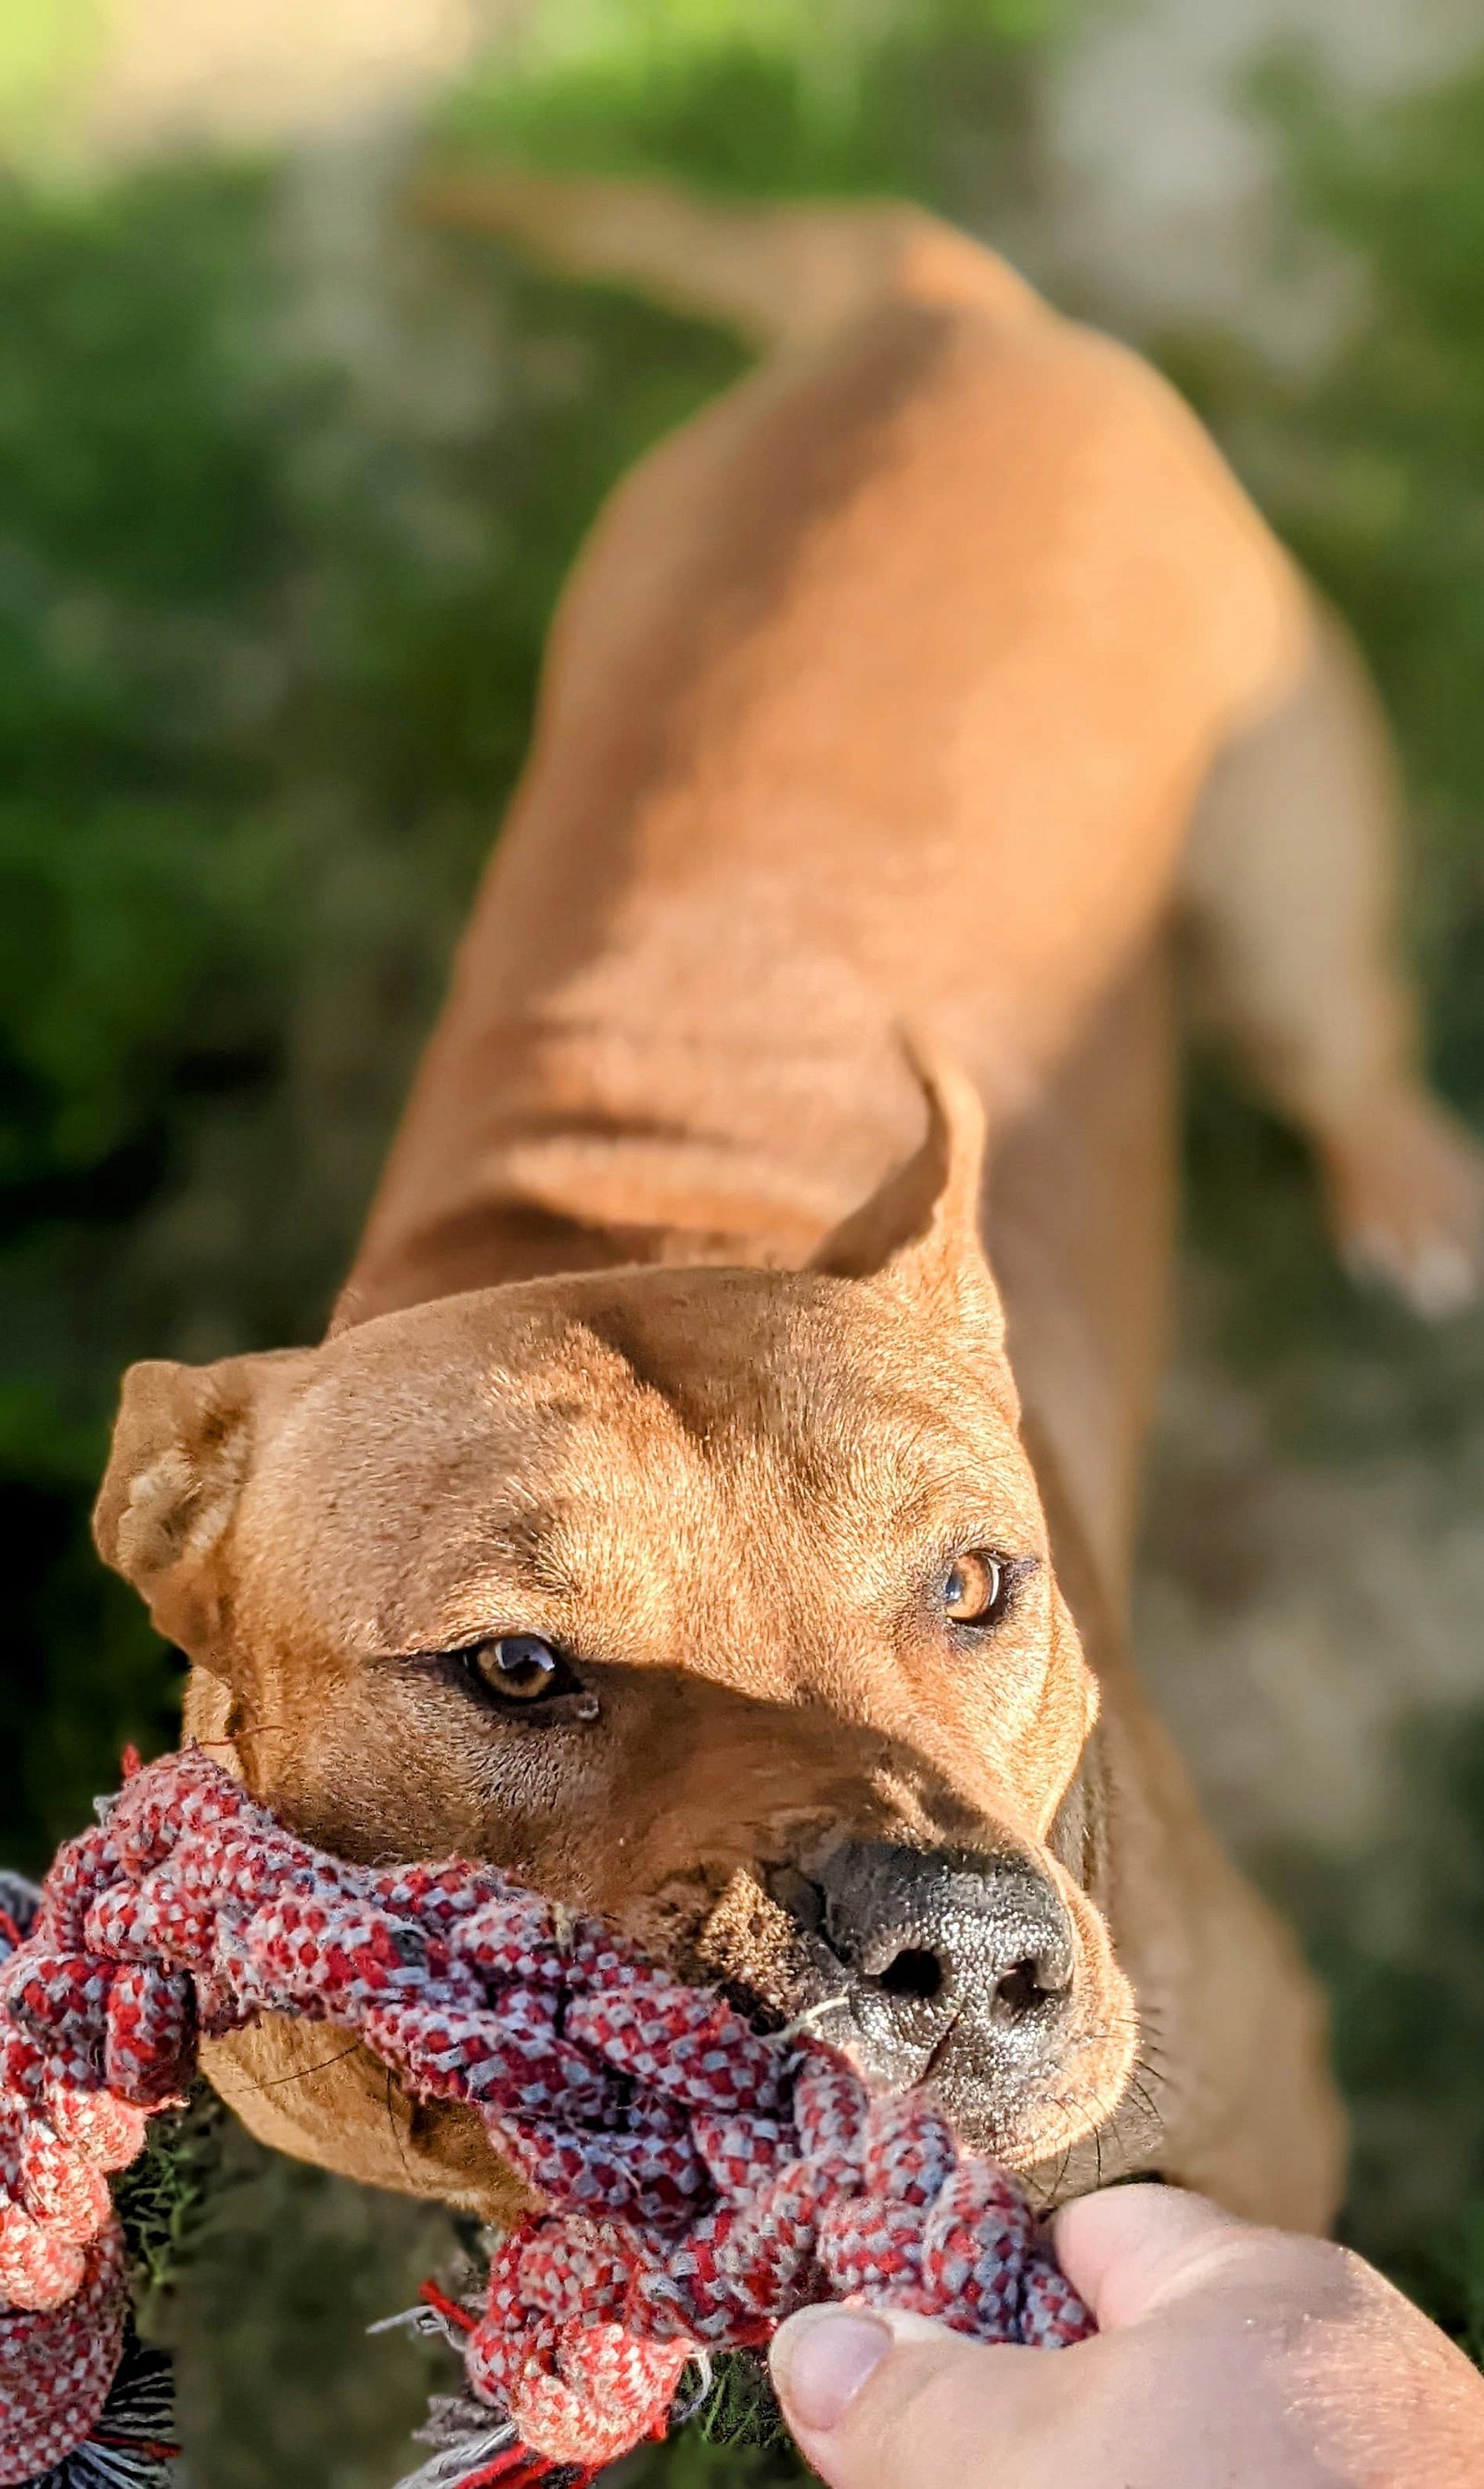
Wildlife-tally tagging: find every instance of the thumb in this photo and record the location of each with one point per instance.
(1131, 2251)
(882, 2400)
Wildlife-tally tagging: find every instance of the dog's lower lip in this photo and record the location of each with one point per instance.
(753, 2007)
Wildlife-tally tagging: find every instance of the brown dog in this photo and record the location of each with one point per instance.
(658, 1520)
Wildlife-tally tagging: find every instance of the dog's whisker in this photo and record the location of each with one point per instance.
(394, 2129)
(303, 2073)
(812, 2014)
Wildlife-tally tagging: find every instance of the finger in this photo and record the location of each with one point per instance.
(1131, 2249)
(880, 2400)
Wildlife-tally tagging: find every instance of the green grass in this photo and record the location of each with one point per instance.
(169, 2196)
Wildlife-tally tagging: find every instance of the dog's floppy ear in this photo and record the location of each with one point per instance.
(919, 1232)
(182, 1445)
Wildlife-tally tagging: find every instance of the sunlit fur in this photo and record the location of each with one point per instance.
(916, 683)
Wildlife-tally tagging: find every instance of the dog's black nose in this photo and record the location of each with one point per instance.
(960, 1968)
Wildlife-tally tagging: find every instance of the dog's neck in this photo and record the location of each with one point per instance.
(492, 1241)
(549, 1198)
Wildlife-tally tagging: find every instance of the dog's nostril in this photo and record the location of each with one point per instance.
(1025, 1985)
(915, 1973)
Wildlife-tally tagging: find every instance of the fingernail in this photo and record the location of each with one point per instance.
(820, 2359)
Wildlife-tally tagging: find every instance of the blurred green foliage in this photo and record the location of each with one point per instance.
(1368, 461)
(269, 634)
(927, 98)
(46, 48)
(1372, 466)
(139, 513)
(286, 492)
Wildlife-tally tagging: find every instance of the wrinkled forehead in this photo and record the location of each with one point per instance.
(632, 1440)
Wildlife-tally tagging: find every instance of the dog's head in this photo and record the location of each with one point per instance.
(717, 1599)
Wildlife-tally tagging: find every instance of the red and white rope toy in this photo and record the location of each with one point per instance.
(699, 2181)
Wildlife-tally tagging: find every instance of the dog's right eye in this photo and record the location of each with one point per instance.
(522, 1670)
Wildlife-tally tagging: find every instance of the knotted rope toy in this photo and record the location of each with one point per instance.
(699, 2181)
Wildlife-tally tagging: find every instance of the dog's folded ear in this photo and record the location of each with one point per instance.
(182, 1445)
(919, 1232)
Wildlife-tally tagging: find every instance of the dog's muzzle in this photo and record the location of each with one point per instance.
(954, 1970)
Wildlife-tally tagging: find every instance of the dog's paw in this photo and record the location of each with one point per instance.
(1406, 1192)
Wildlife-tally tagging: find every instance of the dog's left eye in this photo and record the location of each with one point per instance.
(976, 1587)
(521, 1670)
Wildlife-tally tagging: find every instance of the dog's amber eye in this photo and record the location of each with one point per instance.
(522, 1669)
(976, 1587)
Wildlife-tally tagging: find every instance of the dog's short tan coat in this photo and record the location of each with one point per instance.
(920, 683)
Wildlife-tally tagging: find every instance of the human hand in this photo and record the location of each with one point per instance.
(1226, 2356)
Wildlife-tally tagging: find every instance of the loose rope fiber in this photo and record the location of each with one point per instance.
(699, 2181)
